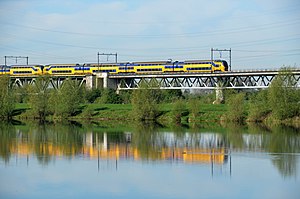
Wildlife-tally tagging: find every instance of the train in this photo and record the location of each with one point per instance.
(195, 66)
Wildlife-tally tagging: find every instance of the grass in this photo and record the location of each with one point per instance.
(106, 111)
(122, 112)
(20, 109)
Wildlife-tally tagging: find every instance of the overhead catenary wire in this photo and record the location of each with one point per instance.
(178, 49)
(186, 34)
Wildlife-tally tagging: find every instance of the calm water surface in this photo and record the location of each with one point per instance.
(75, 161)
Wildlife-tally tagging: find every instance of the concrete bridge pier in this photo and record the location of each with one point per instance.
(219, 94)
(90, 81)
(102, 81)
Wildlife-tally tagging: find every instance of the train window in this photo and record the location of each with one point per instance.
(61, 71)
(148, 69)
(199, 68)
(22, 72)
(126, 68)
(107, 71)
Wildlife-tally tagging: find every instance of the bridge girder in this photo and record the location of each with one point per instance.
(201, 81)
(54, 82)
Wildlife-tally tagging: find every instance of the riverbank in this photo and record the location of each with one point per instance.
(122, 113)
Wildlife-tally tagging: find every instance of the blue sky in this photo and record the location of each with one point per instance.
(262, 34)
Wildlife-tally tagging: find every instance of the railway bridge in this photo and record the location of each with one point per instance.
(257, 79)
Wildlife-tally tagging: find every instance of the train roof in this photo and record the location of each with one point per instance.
(24, 66)
(197, 61)
(62, 64)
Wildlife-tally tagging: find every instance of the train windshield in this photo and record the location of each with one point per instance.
(225, 65)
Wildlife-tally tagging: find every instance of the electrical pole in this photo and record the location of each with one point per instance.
(16, 57)
(220, 51)
(107, 55)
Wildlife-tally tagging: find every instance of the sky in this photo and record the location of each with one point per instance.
(262, 34)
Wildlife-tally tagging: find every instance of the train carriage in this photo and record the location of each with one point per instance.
(190, 66)
(104, 68)
(204, 66)
(60, 69)
(4, 70)
(25, 70)
(149, 67)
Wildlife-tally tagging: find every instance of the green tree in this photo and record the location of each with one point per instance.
(92, 94)
(194, 108)
(236, 108)
(171, 95)
(179, 109)
(283, 96)
(109, 96)
(7, 98)
(145, 103)
(125, 96)
(259, 106)
(22, 94)
(65, 101)
(39, 98)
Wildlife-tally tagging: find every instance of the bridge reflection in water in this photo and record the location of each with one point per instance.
(93, 147)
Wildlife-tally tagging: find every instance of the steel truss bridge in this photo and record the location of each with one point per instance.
(209, 81)
(231, 80)
(53, 81)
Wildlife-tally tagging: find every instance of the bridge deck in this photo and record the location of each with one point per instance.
(219, 74)
(128, 81)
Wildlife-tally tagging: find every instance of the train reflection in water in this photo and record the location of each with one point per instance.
(209, 149)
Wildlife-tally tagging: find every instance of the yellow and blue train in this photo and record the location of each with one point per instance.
(195, 66)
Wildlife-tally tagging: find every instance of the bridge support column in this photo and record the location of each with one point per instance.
(103, 81)
(219, 94)
(90, 81)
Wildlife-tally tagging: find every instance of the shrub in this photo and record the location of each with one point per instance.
(39, 98)
(179, 108)
(7, 98)
(109, 96)
(65, 101)
(259, 106)
(283, 96)
(125, 96)
(145, 103)
(92, 95)
(194, 108)
(170, 95)
(236, 108)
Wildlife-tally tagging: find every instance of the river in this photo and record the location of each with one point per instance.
(148, 161)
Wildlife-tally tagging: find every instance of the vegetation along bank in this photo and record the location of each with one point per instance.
(280, 103)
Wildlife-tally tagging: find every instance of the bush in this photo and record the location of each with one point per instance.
(7, 98)
(194, 108)
(39, 98)
(65, 101)
(170, 95)
(125, 96)
(88, 112)
(283, 96)
(22, 94)
(92, 95)
(179, 109)
(236, 108)
(145, 103)
(259, 106)
(109, 96)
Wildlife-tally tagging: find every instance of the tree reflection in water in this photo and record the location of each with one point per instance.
(151, 142)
